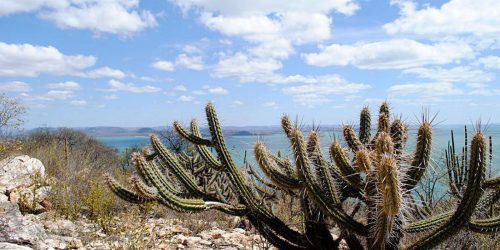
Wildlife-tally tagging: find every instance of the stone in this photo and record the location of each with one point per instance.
(19, 171)
(15, 228)
(10, 246)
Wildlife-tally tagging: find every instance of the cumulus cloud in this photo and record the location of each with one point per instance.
(316, 90)
(115, 86)
(246, 68)
(424, 90)
(216, 90)
(462, 74)
(32, 60)
(15, 86)
(185, 98)
(453, 17)
(180, 88)
(56, 95)
(104, 72)
(110, 16)
(272, 28)
(390, 54)
(69, 85)
(489, 62)
(194, 62)
(189, 62)
(265, 7)
(163, 65)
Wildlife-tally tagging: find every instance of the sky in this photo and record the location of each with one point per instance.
(133, 63)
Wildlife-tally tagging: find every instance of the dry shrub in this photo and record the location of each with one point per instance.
(75, 163)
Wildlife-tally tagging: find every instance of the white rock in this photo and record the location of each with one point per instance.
(10, 246)
(18, 171)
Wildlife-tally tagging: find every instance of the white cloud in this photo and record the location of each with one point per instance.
(105, 72)
(56, 95)
(115, 85)
(32, 60)
(391, 54)
(185, 98)
(238, 103)
(453, 17)
(163, 65)
(69, 85)
(490, 62)
(190, 62)
(245, 67)
(110, 16)
(8, 7)
(217, 90)
(15, 86)
(265, 7)
(272, 27)
(316, 89)
(425, 90)
(180, 88)
(457, 74)
(270, 104)
(79, 103)
(110, 97)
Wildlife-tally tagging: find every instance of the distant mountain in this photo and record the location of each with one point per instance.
(104, 131)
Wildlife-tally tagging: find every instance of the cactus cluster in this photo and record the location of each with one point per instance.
(375, 171)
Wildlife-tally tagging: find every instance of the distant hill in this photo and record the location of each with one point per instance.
(104, 131)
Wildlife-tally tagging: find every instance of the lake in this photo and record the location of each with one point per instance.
(239, 144)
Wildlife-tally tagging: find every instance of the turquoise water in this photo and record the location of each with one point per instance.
(239, 144)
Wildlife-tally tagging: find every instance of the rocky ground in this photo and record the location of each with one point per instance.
(21, 189)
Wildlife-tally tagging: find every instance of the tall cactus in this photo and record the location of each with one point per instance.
(374, 170)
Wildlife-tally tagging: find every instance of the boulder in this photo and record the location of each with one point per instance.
(18, 229)
(10, 246)
(19, 171)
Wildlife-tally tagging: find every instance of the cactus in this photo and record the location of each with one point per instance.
(374, 170)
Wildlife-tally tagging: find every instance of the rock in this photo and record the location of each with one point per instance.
(60, 227)
(19, 171)
(10, 246)
(16, 228)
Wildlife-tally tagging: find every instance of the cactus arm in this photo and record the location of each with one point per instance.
(389, 189)
(163, 179)
(421, 156)
(323, 175)
(398, 134)
(493, 183)
(180, 172)
(429, 223)
(269, 168)
(472, 194)
(143, 189)
(352, 139)
(485, 226)
(284, 164)
(259, 178)
(203, 150)
(123, 192)
(303, 165)
(487, 200)
(348, 172)
(365, 125)
(198, 140)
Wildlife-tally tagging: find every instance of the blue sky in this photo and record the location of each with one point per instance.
(146, 63)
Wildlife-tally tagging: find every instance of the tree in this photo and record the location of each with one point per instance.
(12, 113)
